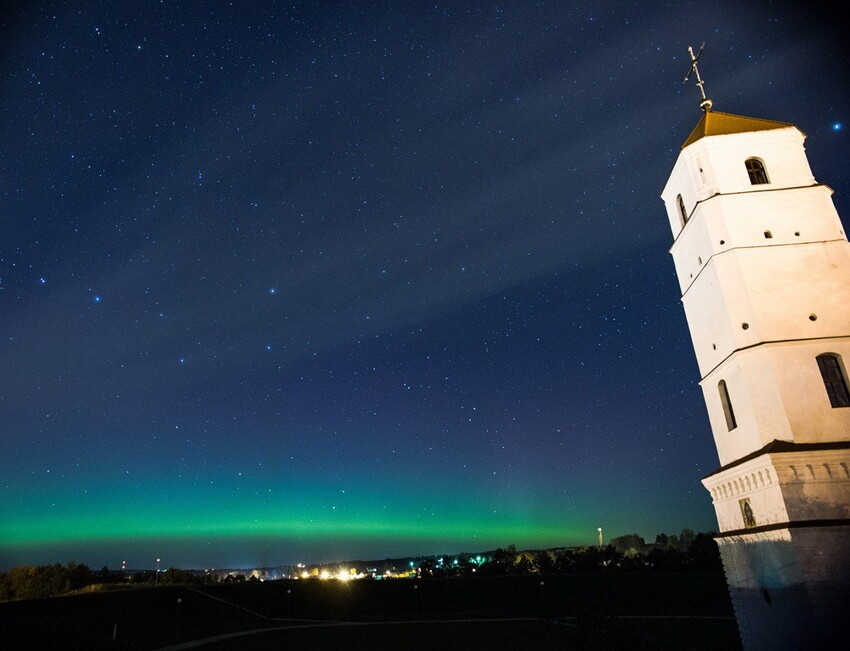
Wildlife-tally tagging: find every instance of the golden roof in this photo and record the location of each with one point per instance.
(714, 123)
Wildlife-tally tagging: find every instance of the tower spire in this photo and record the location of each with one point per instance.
(706, 103)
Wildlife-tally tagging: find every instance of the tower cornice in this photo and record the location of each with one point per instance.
(692, 214)
(776, 447)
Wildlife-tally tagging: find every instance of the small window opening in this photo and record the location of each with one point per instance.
(756, 171)
(722, 242)
(683, 214)
(766, 596)
(745, 326)
(797, 233)
(833, 380)
(813, 317)
(728, 412)
(699, 260)
(768, 235)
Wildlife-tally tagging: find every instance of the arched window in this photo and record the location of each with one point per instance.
(683, 214)
(731, 423)
(756, 171)
(834, 380)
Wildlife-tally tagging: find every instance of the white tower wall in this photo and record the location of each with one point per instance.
(777, 394)
(764, 269)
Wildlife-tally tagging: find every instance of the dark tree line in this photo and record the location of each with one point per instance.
(31, 582)
(37, 582)
(669, 553)
(632, 544)
(626, 553)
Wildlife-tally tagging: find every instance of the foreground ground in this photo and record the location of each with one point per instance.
(618, 610)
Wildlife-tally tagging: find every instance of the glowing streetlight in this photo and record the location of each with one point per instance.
(156, 579)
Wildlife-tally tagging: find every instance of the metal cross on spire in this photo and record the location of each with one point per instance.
(706, 103)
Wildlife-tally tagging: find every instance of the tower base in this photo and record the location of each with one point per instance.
(790, 586)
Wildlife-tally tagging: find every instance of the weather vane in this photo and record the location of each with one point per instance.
(706, 103)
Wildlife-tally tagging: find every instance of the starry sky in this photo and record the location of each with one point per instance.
(286, 282)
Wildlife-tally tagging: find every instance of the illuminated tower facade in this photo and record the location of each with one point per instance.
(764, 268)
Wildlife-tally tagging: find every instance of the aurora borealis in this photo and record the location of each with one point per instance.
(295, 282)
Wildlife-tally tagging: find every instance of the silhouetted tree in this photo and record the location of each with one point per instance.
(665, 559)
(544, 562)
(524, 563)
(501, 561)
(79, 576)
(29, 582)
(5, 587)
(685, 539)
(629, 544)
(703, 554)
(587, 559)
(565, 562)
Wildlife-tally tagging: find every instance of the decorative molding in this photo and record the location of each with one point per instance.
(799, 524)
(782, 447)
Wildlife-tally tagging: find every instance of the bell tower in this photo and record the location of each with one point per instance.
(763, 264)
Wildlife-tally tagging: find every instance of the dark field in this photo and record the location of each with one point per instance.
(593, 610)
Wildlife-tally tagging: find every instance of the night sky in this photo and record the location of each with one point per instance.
(286, 282)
